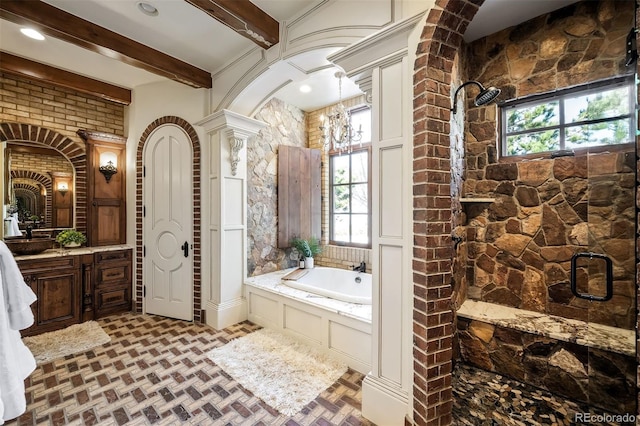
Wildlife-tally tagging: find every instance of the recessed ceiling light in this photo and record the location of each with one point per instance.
(147, 9)
(31, 33)
(305, 88)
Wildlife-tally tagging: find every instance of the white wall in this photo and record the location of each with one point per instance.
(150, 102)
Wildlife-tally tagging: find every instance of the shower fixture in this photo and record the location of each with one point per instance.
(484, 97)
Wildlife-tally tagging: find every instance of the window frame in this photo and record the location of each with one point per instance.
(561, 95)
(355, 148)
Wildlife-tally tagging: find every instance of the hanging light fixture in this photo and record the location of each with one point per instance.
(337, 132)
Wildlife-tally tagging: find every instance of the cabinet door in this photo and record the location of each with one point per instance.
(58, 303)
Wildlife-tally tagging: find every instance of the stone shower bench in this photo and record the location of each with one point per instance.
(592, 335)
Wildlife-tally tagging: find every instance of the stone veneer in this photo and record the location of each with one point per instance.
(440, 41)
(289, 126)
(518, 248)
(601, 378)
(546, 210)
(286, 125)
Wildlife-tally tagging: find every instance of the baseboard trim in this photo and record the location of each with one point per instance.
(225, 314)
(383, 404)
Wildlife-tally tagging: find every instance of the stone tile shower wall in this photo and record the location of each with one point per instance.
(286, 126)
(545, 210)
(520, 246)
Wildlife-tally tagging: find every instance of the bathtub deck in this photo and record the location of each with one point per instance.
(273, 282)
(339, 328)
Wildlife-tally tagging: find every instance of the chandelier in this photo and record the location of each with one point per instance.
(337, 132)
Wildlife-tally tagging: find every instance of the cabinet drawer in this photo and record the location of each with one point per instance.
(114, 299)
(112, 256)
(112, 274)
(47, 264)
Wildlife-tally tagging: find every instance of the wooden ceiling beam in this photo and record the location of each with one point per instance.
(24, 67)
(65, 26)
(243, 17)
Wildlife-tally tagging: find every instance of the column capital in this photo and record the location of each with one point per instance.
(241, 125)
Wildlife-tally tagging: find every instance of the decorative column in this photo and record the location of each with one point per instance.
(381, 65)
(225, 215)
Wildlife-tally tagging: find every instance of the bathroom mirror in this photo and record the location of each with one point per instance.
(39, 186)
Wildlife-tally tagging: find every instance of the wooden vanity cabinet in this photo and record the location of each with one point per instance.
(57, 283)
(77, 288)
(112, 282)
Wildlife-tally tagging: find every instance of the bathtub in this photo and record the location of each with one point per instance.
(339, 284)
(295, 307)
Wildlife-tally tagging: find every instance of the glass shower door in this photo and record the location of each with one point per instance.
(603, 271)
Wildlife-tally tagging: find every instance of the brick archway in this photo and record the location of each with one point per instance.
(74, 151)
(433, 325)
(45, 181)
(195, 143)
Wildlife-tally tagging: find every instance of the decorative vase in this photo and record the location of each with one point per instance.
(71, 245)
(308, 262)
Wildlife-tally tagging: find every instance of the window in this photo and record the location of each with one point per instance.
(585, 116)
(350, 188)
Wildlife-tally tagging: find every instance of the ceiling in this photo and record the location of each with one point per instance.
(186, 33)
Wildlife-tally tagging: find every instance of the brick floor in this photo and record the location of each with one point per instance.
(155, 370)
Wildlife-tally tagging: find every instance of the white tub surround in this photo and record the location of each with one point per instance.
(340, 328)
(225, 198)
(382, 65)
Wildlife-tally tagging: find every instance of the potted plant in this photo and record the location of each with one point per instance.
(307, 248)
(71, 238)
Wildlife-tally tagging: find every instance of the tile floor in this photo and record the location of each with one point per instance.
(486, 399)
(155, 371)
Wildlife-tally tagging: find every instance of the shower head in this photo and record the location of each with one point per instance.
(484, 97)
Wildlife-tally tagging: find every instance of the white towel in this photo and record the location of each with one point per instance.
(13, 229)
(16, 361)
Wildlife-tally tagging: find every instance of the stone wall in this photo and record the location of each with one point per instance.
(545, 210)
(601, 378)
(286, 126)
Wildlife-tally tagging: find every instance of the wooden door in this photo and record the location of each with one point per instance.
(167, 223)
(299, 194)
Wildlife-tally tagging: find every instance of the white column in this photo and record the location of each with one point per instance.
(224, 195)
(382, 66)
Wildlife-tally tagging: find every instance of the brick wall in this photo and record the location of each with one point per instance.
(42, 164)
(440, 41)
(63, 110)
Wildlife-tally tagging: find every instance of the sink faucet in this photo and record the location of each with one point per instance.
(29, 235)
(361, 268)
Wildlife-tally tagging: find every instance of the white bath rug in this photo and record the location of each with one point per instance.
(279, 370)
(73, 339)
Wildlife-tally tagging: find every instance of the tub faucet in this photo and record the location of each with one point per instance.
(29, 234)
(361, 268)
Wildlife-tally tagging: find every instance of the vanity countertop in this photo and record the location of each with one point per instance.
(56, 252)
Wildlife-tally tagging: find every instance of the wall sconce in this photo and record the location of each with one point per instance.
(108, 165)
(62, 188)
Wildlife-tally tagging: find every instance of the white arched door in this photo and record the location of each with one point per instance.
(168, 223)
